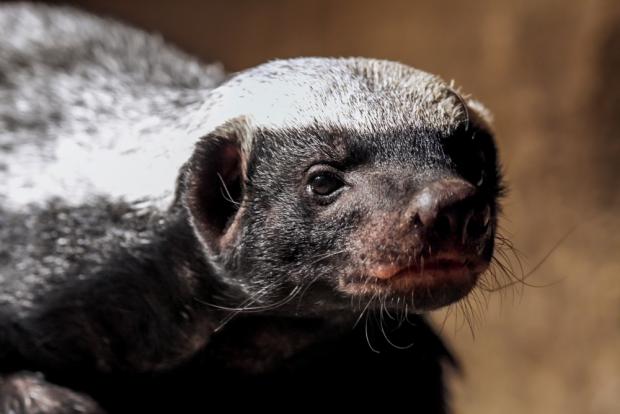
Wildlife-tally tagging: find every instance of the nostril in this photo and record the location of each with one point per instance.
(478, 223)
(442, 227)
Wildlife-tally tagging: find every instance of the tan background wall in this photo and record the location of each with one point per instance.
(550, 72)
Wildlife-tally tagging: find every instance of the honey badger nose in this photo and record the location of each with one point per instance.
(447, 209)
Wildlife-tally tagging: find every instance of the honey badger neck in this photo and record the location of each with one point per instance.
(148, 307)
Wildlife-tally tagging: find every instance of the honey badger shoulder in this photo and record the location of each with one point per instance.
(87, 102)
(309, 192)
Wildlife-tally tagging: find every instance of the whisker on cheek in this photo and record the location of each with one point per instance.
(373, 349)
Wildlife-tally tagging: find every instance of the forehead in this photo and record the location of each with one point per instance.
(361, 95)
(346, 148)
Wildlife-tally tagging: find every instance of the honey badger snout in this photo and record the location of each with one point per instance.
(429, 251)
(447, 210)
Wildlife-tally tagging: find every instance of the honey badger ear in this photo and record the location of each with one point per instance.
(213, 184)
(480, 114)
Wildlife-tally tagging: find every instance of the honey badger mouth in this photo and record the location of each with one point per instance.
(427, 283)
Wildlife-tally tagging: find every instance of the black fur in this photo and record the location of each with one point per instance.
(122, 335)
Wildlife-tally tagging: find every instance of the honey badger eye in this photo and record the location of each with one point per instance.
(324, 184)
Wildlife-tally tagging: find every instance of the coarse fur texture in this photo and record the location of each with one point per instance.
(171, 237)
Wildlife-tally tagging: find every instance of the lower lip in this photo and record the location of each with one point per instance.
(419, 270)
(437, 275)
(431, 268)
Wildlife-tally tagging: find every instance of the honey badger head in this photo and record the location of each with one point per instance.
(340, 178)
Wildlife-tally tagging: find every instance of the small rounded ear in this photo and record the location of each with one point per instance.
(213, 185)
(479, 114)
(474, 112)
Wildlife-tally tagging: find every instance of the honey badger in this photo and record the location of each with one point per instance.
(172, 236)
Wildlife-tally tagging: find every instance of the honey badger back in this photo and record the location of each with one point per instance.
(311, 194)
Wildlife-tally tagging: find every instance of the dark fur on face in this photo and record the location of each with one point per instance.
(275, 237)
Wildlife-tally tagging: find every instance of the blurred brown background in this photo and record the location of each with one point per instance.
(550, 72)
